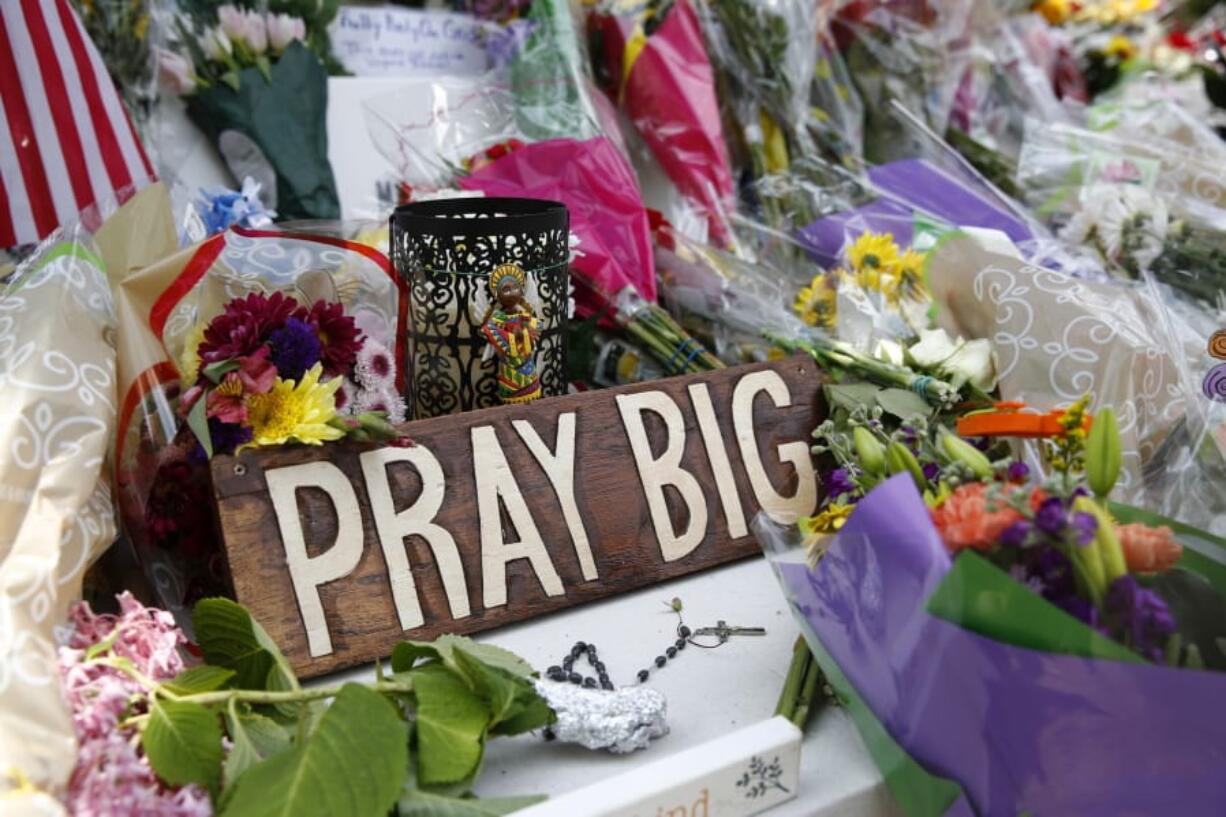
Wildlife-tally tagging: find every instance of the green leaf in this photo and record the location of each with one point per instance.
(851, 396)
(198, 422)
(230, 78)
(261, 62)
(353, 764)
(216, 371)
(903, 404)
(231, 638)
(451, 724)
(183, 743)
(514, 704)
(418, 803)
(204, 678)
(407, 653)
(254, 738)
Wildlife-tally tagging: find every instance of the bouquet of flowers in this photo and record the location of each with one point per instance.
(248, 339)
(976, 618)
(256, 84)
(655, 65)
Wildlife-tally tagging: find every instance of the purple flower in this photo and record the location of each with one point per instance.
(1016, 534)
(295, 348)
(1018, 471)
(931, 471)
(1085, 527)
(839, 482)
(1139, 617)
(1080, 609)
(1051, 517)
(982, 443)
(225, 437)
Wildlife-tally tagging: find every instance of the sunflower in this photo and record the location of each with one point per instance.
(875, 251)
(295, 411)
(817, 303)
(911, 273)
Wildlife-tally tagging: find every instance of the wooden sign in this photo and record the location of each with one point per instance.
(504, 514)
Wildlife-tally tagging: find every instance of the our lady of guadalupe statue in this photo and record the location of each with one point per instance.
(510, 328)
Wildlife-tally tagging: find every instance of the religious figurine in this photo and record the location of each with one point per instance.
(510, 328)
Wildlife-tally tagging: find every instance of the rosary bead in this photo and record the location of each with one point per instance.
(671, 652)
(557, 676)
(598, 666)
(606, 685)
(575, 678)
(590, 683)
(549, 735)
(660, 660)
(642, 675)
(553, 670)
(685, 631)
(680, 644)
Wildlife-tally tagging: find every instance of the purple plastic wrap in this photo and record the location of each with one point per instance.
(910, 187)
(1023, 732)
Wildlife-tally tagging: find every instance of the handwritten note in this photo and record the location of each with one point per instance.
(390, 41)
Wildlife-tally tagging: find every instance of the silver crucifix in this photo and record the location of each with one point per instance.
(723, 631)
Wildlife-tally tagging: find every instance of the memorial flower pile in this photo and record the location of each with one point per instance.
(269, 370)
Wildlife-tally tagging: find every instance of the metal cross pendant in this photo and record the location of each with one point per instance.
(723, 631)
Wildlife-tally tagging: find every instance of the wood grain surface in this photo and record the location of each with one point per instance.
(361, 616)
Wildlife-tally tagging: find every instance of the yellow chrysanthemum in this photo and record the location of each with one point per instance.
(873, 251)
(295, 411)
(189, 359)
(817, 304)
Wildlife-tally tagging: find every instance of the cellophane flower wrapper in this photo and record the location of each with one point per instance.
(162, 476)
(537, 129)
(57, 418)
(904, 50)
(1056, 338)
(975, 696)
(275, 130)
(666, 87)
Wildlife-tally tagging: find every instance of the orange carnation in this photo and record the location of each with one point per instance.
(964, 520)
(1148, 550)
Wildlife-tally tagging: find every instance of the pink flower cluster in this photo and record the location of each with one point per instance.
(373, 386)
(111, 777)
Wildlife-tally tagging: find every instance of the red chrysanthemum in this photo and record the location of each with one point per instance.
(244, 326)
(338, 334)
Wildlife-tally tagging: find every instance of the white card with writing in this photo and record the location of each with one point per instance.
(743, 773)
(388, 41)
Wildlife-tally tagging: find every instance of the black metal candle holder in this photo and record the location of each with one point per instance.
(445, 251)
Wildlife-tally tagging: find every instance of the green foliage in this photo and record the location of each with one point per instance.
(291, 754)
(353, 763)
(183, 743)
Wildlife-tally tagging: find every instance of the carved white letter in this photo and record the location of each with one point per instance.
(495, 480)
(782, 509)
(655, 474)
(415, 520)
(559, 466)
(305, 572)
(713, 440)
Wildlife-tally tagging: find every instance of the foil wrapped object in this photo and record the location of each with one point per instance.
(621, 721)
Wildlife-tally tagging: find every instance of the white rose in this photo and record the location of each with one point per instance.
(175, 72)
(962, 361)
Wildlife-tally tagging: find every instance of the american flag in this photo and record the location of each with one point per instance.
(65, 138)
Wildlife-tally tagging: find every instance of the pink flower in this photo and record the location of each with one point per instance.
(216, 45)
(256, 32)
(283, 30)
(110, 777)
(175, 73)
(964, 520)
(233, 22)
(1149, 550)
(374, 368)
(226, 402)
(256, 372)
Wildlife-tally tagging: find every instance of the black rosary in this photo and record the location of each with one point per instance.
(566, 670)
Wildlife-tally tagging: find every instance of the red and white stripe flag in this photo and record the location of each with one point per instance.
(65, 138)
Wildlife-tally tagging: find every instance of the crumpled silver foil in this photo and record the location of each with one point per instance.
(621, 721)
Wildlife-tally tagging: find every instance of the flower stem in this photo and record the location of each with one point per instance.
(260, 696)
(795, 677)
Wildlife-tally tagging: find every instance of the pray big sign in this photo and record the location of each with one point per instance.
(504, 514)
